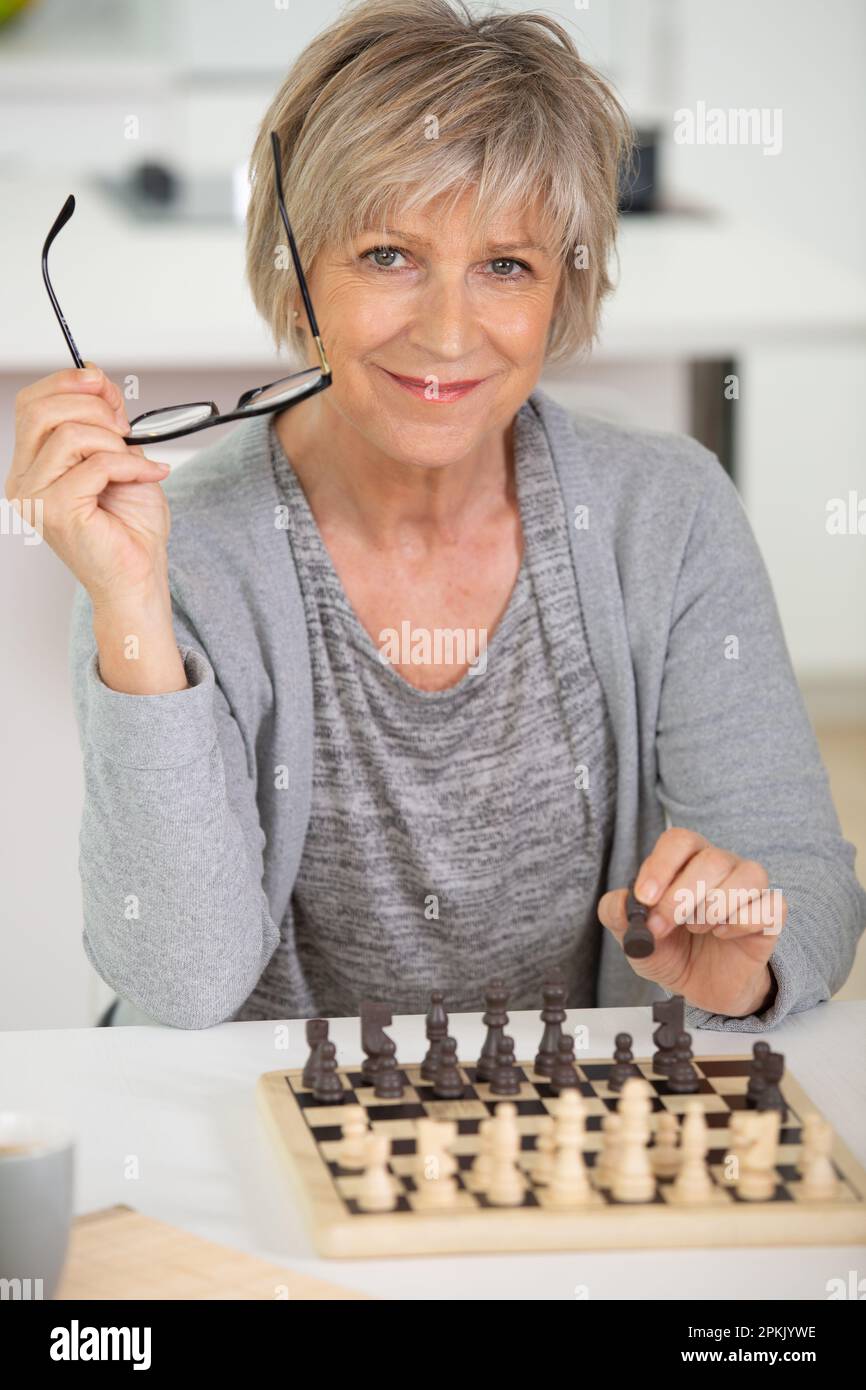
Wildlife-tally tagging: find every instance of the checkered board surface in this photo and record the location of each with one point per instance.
(308, 1134)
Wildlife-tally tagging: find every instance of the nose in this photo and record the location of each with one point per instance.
(445, 325)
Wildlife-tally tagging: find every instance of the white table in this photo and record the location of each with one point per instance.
(182, 1104)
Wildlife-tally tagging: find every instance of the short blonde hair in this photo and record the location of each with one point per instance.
(402, 101)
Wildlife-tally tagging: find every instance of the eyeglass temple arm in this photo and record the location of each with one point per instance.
(62, 218)
(302, 279)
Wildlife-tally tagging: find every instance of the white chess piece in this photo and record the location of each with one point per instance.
(693, 1183)
(758, 1167)
(633, 1179)
(545, 1148)
(507, 1184)
(611, 1128)
(483, 1162)
(435, 1186)
(820, 1182)
(377, 1190)
(569, 1183)
(351, 1151)
(665, 1155)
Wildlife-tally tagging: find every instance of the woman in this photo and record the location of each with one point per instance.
(430, 671)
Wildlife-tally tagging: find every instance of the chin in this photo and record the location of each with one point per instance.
(427, 445)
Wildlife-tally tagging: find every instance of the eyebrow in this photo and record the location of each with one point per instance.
(493, 244)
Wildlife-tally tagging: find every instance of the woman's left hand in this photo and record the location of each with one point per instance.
(719, 964)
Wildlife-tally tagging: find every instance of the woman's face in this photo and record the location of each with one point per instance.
(412, 318)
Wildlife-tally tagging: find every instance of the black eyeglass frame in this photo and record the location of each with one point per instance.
(242, 410)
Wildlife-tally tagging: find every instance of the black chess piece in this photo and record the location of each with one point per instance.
(505, 1080)
(448, 1083)
(564, 1076)
(316, 1030)
(553, 1015)
(437, 1030)
(388, 1083)
(374, 1017)
(770, 1097)
(495, 1019)
(683, 1079)
(623, 1063)
(669, 1015)
(327, 1086)
(760, 1053)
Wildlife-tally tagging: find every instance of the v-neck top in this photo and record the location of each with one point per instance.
(455, 835)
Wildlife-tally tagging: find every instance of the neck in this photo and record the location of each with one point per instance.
(349, 482)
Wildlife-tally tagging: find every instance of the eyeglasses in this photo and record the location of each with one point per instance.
(170, 422)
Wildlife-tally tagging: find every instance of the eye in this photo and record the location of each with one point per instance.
(504, 266)
(383, 257)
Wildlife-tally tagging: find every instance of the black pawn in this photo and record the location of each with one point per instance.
(668, 1014)
(388, 1083)
(623, 1063)
(683, 1080)
(437, 1031)
(564, 1076)
(757, 1080)
(505, 1080)
(327, 1086)
(316, 1030)
(448, 1083)
(495, 1018)
(771, 1097)
(553, 1016)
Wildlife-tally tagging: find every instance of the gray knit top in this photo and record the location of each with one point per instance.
(437, 854)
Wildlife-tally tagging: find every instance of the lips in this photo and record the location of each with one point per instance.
(434, 391)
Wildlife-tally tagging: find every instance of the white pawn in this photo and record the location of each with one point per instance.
(569, 1184)
(758, 1168)
(483, 1163)
(507, 1184)
(820, 1182)
(693, 1183)
(545, 1148)
(434, 1177)
(351, 1152)
(611, 1128)
(741, 1138)
(665, 1155)
(377, 1190)
(633, 1179)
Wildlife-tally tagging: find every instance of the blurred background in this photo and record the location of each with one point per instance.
(740, 318)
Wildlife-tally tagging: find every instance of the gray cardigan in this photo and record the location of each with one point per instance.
(188, 852)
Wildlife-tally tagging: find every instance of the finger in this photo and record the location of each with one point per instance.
(682, 903)
(92, 477)
(66, 447)
(665, 963)
(672, 850)
(40, 417)
(752, 907)
(88, 380)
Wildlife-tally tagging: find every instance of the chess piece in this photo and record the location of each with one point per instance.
(683, 1079)
(757, 1181)
(611, 1127)
(436, 1030)
(327, 1087)
(770, 1095)
(633, 1179)
(483, 1161)
(377, 1190)
(316, 1030)
(669, 1014)
(507, 1183)
(495, 1019)
(351, 1153)
(374, 1017)
(819, 1181)
(435, 1185)
(564, 1077)
(387, 1081)
(553, 1016)
(569, 1181)
(638, 941)
(505, 1078)
(545, 1147)
(624, 1063)
(693, 1183)
(738, 1127)
(760, 1053)
(448, 1083)
(665, 1155)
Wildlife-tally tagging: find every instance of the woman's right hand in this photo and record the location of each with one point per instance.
(103, 511)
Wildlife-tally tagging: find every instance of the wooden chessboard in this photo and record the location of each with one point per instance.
(307, 1134)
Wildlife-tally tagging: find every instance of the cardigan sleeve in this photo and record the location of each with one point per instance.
(171, 848)
(738, 760)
